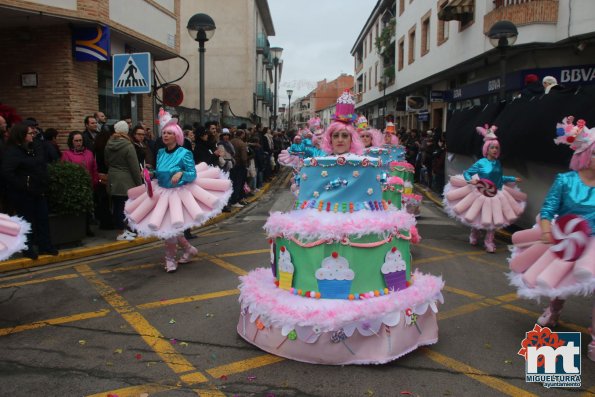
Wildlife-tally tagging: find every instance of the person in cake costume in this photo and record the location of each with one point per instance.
(340, 288)
(182, 195)
(13, 235)
(556, 258)
(482, 198)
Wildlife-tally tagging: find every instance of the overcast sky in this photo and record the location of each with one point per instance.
(316, 37)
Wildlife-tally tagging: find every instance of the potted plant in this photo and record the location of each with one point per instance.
(70, 198)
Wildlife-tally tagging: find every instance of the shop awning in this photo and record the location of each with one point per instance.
(456, 10)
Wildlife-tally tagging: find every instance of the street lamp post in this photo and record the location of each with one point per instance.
(201, 28)
(276, 55)
(502, 35)
(289, 92)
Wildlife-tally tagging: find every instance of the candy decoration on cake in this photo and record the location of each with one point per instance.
(556, 258)
(344, 110)
(273, 254)
(339, 238)
(411, 202)
(13, 235)
(487, 187)
(285, 269)
(334, 277)
(474, 203)
(571, 236)
(394, 270)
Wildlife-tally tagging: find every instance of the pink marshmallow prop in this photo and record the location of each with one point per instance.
(457, 194)
(486, 212)
(209, 173)
(176, 212)
(9, 227)
(571, 235)
(136, 191)
(475, 208)
(525, 259)
(507, 211)
(214, 184)
(517, 194)
(584, 267)
(132, 204)
(464, 204)
(531, 274)
(190, 204)
(497, 213)
(526, 236)
(553, 274)
(3, 246)
(4, 216)
(158, 212)
(145, 206)
(458, 181)
(516, 207)
(201, 167)
(204, 197)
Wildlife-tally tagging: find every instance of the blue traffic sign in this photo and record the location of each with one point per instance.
(132, 73)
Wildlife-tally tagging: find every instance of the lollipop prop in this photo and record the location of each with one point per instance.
(147, 180)
(571, 236)
(339, 337)
(486, 187)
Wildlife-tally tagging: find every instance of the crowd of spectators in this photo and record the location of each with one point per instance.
(113, 156)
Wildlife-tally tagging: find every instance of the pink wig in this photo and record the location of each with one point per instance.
(394, 139)
(376, 136)
(177, 131)
(583, 159)
(486, 146)
(356, 144)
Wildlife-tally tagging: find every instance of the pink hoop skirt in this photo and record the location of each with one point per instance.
(464, 202)
(171, 211)
(13, 235)
(536, 271)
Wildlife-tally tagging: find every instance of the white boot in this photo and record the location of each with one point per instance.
(550, 316)
(189, 253)
(170, 264)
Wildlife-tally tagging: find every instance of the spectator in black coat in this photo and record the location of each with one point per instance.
(25, 170)
(205, 150)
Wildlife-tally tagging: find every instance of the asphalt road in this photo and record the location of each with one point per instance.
(118, 324)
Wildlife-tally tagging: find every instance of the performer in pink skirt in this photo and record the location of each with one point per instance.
(182, 196)
(556, 258)
(13, 235)
(481, 197)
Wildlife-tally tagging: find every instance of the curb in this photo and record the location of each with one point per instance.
(83, 252)
(430, 195)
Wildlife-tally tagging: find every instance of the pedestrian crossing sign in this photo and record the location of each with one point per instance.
(132, 73)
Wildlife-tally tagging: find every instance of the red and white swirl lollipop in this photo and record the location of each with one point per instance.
(487, 187)
(571, 236)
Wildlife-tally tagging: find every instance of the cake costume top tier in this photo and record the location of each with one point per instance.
(387, 153)
(345, 109)
(335, 180)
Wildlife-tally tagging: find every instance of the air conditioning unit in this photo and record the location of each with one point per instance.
(415, 103)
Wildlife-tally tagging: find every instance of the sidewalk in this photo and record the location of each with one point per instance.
(105, 240)
(502, 234)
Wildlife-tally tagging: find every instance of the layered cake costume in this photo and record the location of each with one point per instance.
(13, 235)
(340, 288)
(556, 258)
(482, 198)
(165, 209)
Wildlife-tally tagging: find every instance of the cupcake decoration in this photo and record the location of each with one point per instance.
(394, 270)
(286, 269)
(334, 277)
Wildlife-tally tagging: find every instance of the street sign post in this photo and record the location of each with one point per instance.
(132, 73)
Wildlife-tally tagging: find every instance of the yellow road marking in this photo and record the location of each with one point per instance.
(589, 393)
(463, 292)
(434, 248)
(147, 332)
(476, 374)
(187, 299)
(226, 265)
(216, 233)
(508, 297)
(443, 257)
(213, 392)
(521, 310)
(135, 391)
(244, 365)
(128, 268)
(242, 253)
(495, 264)
(38, 281)
(461, 310)
(53, 321)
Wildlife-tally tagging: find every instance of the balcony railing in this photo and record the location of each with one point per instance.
(261, 89)
(506, 3)
(261, 42)
(523, 12)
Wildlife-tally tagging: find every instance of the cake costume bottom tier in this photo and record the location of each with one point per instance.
(168, 212)
(538, 271)
(13, 235)
(338, 332)
(473, 207)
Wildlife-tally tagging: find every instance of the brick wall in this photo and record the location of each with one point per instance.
(540, 11)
